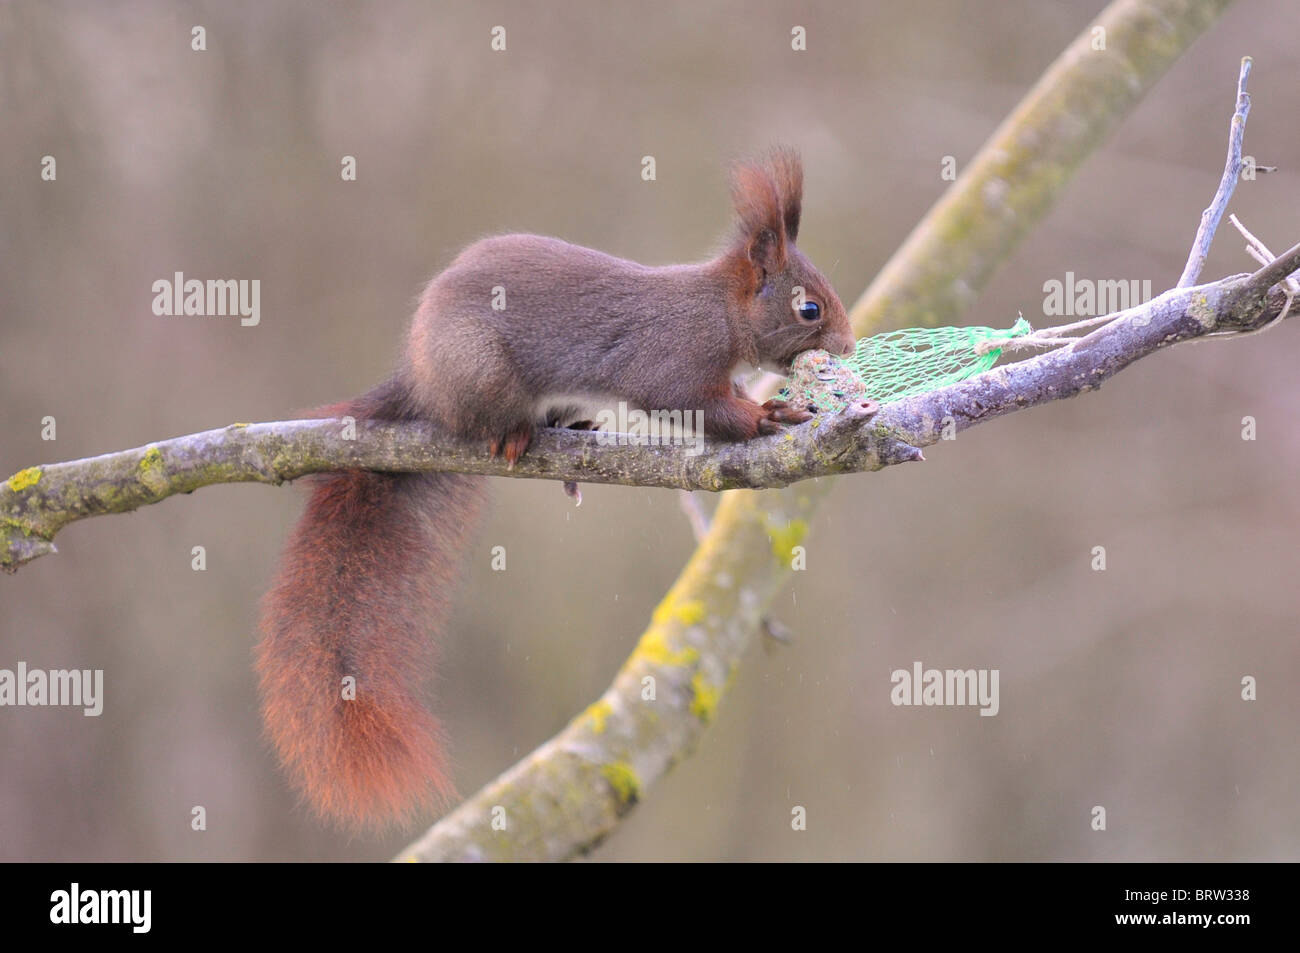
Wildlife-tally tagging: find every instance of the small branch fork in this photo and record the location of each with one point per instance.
(1196, 258)
(1259, 251)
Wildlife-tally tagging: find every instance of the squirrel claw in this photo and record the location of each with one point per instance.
(512, 444)
(780, 413)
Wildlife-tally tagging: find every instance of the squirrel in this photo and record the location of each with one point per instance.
(365, 575)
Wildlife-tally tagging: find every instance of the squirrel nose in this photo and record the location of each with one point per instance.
(848, 347)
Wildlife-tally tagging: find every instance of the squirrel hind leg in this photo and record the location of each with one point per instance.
(513, 443)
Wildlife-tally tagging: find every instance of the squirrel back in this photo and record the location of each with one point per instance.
(518, 331)
(539, 323)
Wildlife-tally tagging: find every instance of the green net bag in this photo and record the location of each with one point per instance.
(897, 364)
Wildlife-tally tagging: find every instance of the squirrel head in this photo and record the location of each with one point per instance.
(785, 300)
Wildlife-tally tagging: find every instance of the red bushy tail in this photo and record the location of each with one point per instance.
(362, 586)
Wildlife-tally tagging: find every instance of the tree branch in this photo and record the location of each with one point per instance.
(37, 502)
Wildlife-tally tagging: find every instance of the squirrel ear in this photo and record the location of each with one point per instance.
(762, 226)
(765, 251)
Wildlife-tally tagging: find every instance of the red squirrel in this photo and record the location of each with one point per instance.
(365, 576)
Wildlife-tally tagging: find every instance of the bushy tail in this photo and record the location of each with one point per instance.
(362, 586)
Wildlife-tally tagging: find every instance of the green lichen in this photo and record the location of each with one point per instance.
(690, 612)
(151, 470)
(654, 648)
(705, 702)
(24, 478)
(786, 538)
(1202, 311)
(623, 779)
(598, 713)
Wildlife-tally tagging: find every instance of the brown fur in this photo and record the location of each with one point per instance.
(365, 575)
(363, 580)
(581, 320)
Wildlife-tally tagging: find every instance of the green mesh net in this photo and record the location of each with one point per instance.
(894, 365)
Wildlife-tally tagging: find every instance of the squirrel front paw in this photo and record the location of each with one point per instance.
(781, 414)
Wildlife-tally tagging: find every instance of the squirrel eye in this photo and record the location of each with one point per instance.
(810, 311)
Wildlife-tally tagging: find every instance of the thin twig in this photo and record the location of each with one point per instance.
(1042, 337)
(1276, 271)
(1261, 253)
(1231, 173)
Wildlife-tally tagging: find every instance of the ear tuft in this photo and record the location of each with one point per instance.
(787, 175)
(768, 196)
(756, 199)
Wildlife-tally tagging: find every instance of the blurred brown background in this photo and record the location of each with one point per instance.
(1118, 688)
